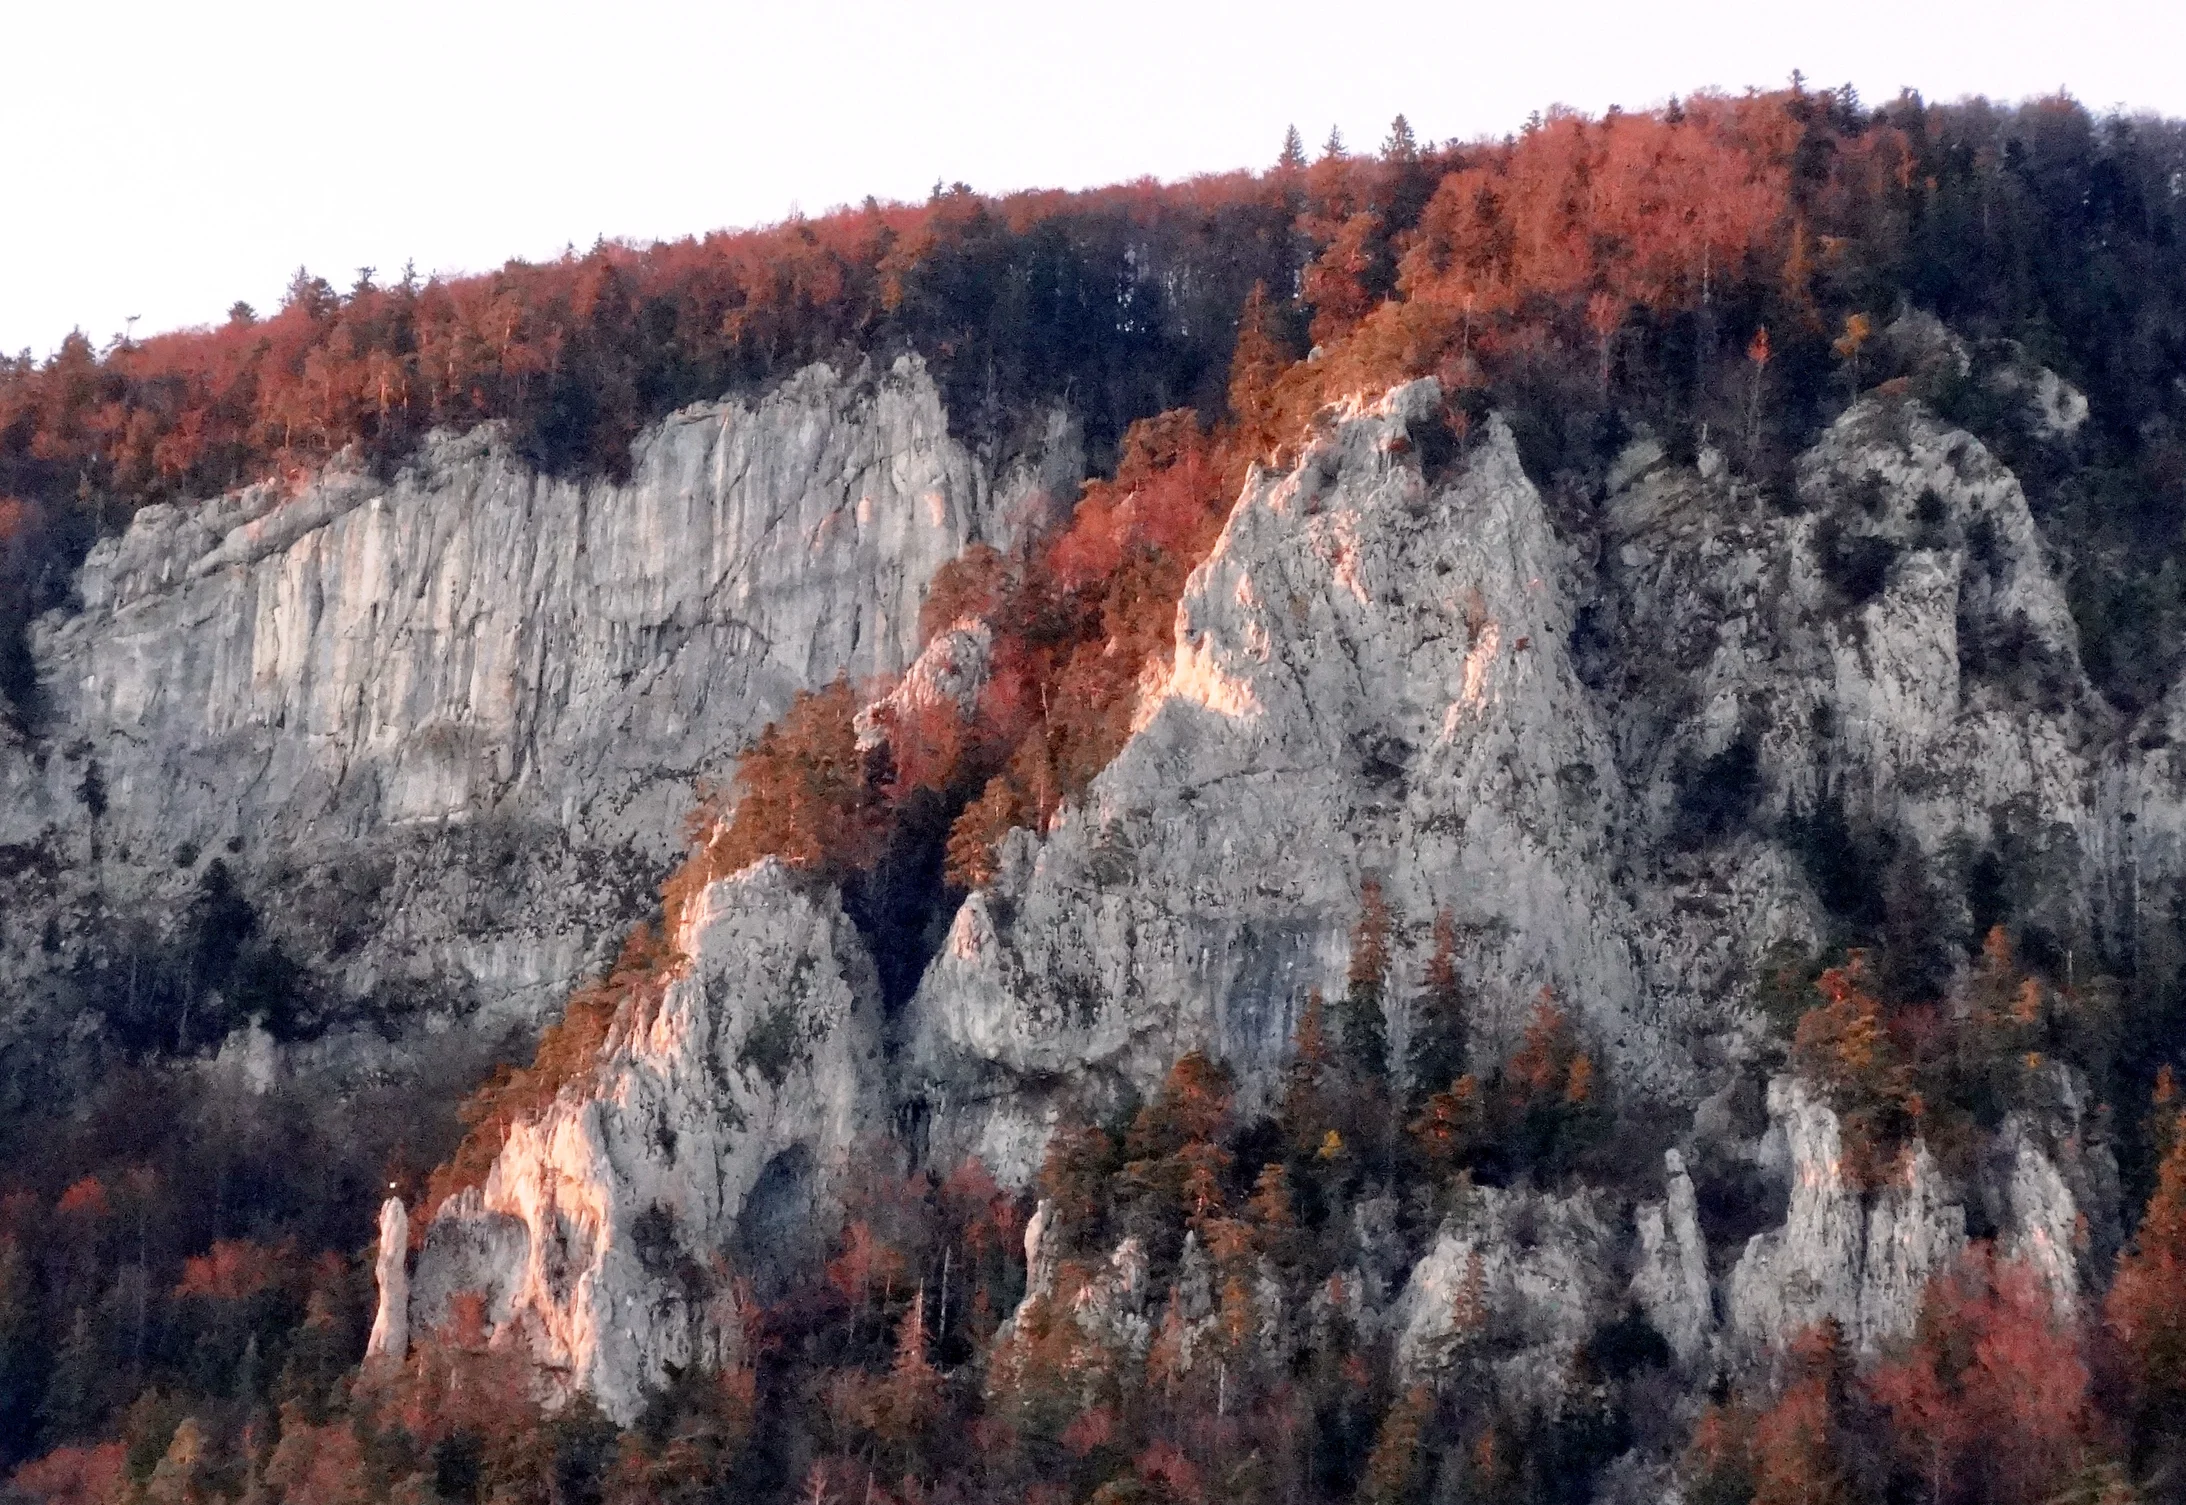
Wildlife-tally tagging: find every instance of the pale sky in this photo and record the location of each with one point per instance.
(164, 160)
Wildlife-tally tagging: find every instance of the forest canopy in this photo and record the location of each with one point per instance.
(179, 1312)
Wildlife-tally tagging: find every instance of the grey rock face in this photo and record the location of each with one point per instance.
(1671, 1281)
(1837, 1257)
(1370, 679)
(707, 1140)
(1865, 1260)
(390, 1337)
(946, 677)
(1381, 675)
(1516, 1281)
(1896, 657)
(445, 727)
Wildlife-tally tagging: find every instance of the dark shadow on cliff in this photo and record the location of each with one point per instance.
(902, 905)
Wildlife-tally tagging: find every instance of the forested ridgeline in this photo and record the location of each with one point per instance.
(1578, 275)
(184, 1285)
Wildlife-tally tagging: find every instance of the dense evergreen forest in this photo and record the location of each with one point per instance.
(185, 1267)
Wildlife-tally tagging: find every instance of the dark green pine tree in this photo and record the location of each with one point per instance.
(1435, 1056)
(1293, 158)
(22, 1352)
(1363, 1015)
(1401, 146)
(74, 1403)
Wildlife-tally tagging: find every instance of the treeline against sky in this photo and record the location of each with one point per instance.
(177, 1310)
(1642, 250)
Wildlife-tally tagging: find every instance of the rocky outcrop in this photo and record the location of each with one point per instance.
(1840, 1255)
(1769, 708)
(452, 718)
(1382, 671)
(1878, 668)
(704, 1146)
(1670, 1283)
(1516, 1282)
(1863, 1257)
(390, 1336)
(945, 678)
(1371, 679)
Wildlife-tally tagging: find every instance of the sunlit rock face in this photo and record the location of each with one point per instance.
(1371, 680)
(444, 726)
(704, 1147)
(1630, 749)
(1859, 1260)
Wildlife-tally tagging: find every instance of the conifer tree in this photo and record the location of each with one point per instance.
(1293, 158)
(1400, 146)
(74, 1397)
(1257, 363)
(1436, 1045)
(1308, 1084)
(1365, 1039)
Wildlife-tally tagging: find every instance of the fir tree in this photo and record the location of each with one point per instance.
(74, 1395)
(1400, 146)
(1364, 1022)
(1436, 1044)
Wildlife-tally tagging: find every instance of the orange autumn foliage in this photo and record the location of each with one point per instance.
(1845, 1046)
(78, 1475)
(1549, 1064)
(2146, 1309)
(1575, 222)
(1990, 1399)
(1798, 1443)
(802, 794)
(237, 1269)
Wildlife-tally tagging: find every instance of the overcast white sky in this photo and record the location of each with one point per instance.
(165, 159)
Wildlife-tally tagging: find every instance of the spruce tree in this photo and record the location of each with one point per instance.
(1401, 145)
(1293, 158)
(1436, 1047)
(1364, 1020)
(74, 1394)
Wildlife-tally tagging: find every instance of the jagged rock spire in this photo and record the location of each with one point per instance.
(391, 1323)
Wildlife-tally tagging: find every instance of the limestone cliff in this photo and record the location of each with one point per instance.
(444, 725)
(609, 1231)
(1628, 758)
(452, 719)
(1371, 679)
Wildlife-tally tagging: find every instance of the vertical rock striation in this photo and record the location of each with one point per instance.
(1371, 679)
(450, 721)
(390, 1337)
(703, 1147)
